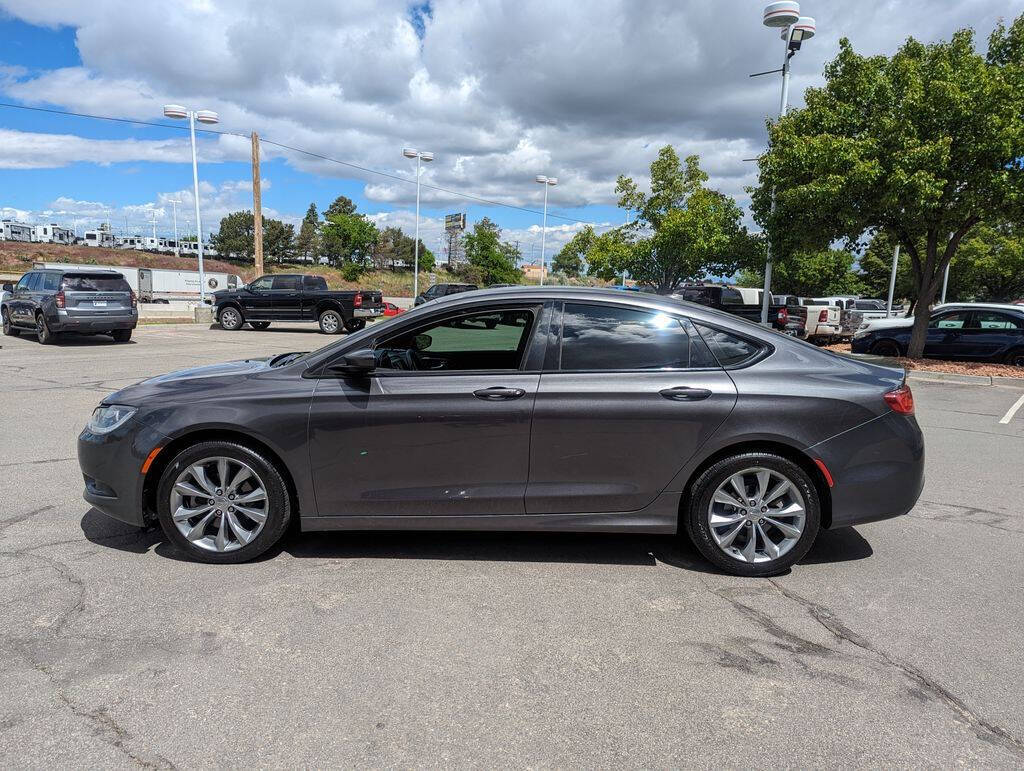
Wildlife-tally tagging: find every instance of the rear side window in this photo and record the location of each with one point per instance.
(730, 350)
(604, 337)
(287, 282)
(87, 283)
(988, 320)
(51, 282)
(315, 282)
(731, 297)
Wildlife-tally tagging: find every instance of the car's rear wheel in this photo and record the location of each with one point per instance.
(231, 319)
(9, 329)
(753, 514)
(259, 325)
(330, 322)
(222, 502)
(888, 348)
(354, 325)
(1014, 358)
(121, 335)
(43, 333)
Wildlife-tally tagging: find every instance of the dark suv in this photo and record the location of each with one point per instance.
(52, 302)
(443, 290)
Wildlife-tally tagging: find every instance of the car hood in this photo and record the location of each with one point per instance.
(874, 324)
(187, 381)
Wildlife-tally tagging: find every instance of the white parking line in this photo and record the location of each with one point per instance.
(1013, 410)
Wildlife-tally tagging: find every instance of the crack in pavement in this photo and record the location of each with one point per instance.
(983, 729)
(35, 462)
(7, 523)
(965, 514)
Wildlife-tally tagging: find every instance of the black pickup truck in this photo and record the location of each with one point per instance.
(296, 297)
(791, 320)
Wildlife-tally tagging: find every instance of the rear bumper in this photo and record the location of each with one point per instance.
(62, 322)
(877, 469)
(111, 466)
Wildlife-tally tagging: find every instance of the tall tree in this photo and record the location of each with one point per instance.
(694, 231)
(340, 205)
(235, 237)
(809, 274)
(486, 253)
(923, 145)
(306, 243)
(348, 238)
(570, 257)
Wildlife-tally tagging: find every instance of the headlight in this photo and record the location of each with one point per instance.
(107, 417)
(861, 333)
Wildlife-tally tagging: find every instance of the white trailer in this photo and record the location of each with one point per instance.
(159, 284)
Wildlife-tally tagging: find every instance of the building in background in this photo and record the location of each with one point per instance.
(533, 272)
(15, 231)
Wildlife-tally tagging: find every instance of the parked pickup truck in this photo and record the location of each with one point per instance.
(823, 321)
(296, 297)
(746, 303)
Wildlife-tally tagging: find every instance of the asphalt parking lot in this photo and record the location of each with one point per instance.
(895, 643)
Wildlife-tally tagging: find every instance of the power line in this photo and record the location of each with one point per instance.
(310, 153)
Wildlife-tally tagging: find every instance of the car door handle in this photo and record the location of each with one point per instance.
(499, 393)
(685, 394)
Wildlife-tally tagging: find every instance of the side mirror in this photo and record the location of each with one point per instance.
(8, 287)
(361, 362)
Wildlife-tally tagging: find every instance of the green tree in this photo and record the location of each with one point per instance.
(494, 261)
(923, 146)
(683, 230)
(348, 238)
(395, 250)
(809, 274)
(340, 205)
(989, 265)
(306, 244)
(235, 238)
(609, 254)
(570, 257)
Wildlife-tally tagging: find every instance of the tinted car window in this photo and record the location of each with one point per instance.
(477, 341)
(990, 320)
(731, 297)
(25, 280)
(50, 282)
(86, 283)
(315, 282)
(287, 282)
(950, 320)
(601, 337)
(262, 284)
(730, 350)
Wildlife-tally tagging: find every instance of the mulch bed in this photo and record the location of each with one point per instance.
(940, 365)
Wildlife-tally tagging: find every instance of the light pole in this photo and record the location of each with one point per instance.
(421, 156)
(174, 208)
(795, 29)
(208, 117)
(547, 182)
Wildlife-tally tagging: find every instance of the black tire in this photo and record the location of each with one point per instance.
(888, 348)
(259, 325)
(231, 318)
(331, 322)
(43, 333)
(354, 325)
(704, 488)
(279, 510)
(1014, 358)
(121, 335)
(9, 329)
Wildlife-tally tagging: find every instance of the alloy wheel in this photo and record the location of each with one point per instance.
(219, 504)
(329, 323)
(229, 319)
(756, 515)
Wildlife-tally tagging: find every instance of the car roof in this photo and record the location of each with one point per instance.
(979, 306)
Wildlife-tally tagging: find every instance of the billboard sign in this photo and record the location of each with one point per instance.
(455, 222)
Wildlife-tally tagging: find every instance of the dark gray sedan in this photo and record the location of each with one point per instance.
(518, 409)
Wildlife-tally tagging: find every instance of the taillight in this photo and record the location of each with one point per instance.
(59, 299)
(901, 400)
(135, 301)
(783, 316)
(823, 317)
(358, 302)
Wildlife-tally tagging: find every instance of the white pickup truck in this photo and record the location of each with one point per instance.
(823, 325)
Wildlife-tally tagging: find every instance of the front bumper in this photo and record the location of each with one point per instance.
(112, 468)
(64, 322)
(861, 344)
(877, 469)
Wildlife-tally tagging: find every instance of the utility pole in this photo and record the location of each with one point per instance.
(257, 205)
(174, 208)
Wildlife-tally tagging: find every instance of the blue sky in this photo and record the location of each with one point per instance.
(498, 91)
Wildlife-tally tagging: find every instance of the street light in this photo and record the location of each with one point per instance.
(547, 182)
(794, 30)
(425, 157)
(208, 117)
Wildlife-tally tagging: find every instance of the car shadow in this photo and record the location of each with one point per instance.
(831, 546)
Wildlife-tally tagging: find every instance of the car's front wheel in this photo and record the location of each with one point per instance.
(354, 325)
(753, 514)
(259, 325)
(231, 319)
(9, 329)
(222, 502)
